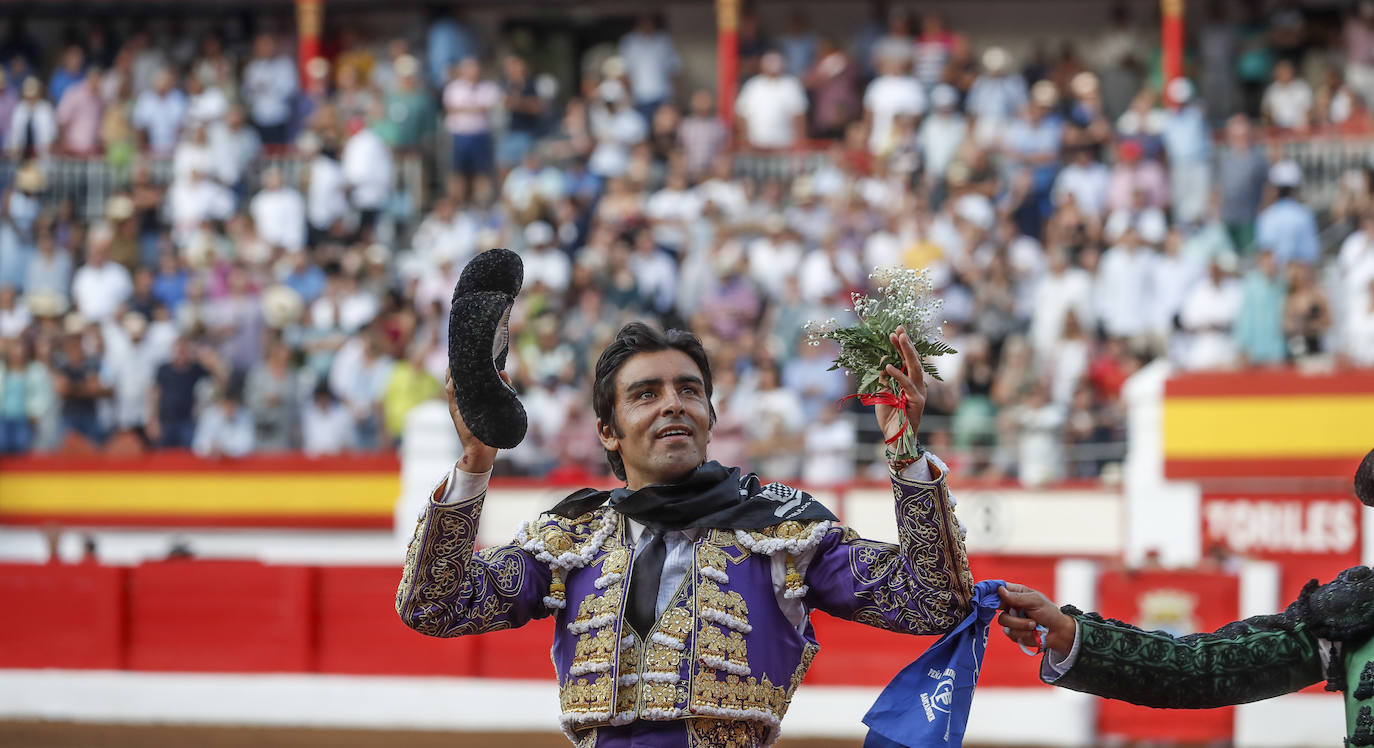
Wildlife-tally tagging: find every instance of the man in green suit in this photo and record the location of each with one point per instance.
(1327, 633)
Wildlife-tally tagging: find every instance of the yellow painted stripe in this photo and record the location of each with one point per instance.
(1297, 426)
(353, 494)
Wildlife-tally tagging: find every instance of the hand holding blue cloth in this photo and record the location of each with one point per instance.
(927, 704)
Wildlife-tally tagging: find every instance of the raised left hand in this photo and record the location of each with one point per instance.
(912, 385)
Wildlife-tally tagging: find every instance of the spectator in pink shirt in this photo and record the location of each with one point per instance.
(1133, 174)
(78, 117)
(469, 102)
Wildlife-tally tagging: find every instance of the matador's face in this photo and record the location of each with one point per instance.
(662, 418)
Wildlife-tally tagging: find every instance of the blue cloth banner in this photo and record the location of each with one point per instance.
(927, 704)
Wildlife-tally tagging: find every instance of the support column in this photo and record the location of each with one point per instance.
(727, 59)
(309, 27)
(1171, 39)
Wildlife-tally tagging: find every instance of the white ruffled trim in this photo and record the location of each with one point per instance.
(668, 641)
(627, 641)
(553, 603)
(569, 719)
(595, 622)
(715, 575)
(754, 715)
(606, 580)
(660, 676)
(661, 714)
(720, 663)
(716, 615)
(624, 718)
(799, 592)
(629, 679)
(567, 560)
(769, 546)
(590, 667)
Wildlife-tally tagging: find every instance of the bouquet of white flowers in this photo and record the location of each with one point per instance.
(905, 298)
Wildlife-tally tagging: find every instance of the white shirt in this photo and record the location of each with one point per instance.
(438, 241)
(651, 61)
(367, 169)
(44, 120)
(615, 133)
(217, 433)
(887, 97)
(325, 202)
(326, 431)
(770, 107)
(191, 202)
(771, 262)
(829, 452)
(1174, 278)
(549, 266)
(940, 137)
(1288, 104)
(670, 211)
(268, 86)
(655, 277)
(1088, 185)
(98, 291)
(1056, 296)
(1123, 293)
(1208, 313)
(160, 117)
(818, 279)
(279, 217)
(464, 486)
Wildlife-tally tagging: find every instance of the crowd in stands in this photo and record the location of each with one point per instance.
(1080, 217)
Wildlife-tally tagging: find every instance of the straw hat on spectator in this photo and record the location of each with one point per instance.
(31, 87)
(30, 178)
(255, 252)
(611, 90)
(317, 68)
(377, 254)
(944, 96)
(1285, 173)
(538, 234)
(47, 304)
(199, 250)
(134, 323)
(1044, 93)
(996, 60)
(977, 210)
(73, 323)
(1152, 228)
(1084, 84)
(1179, 91)
(612, 67)
(281, 306)
(119, 208)
(406, 66)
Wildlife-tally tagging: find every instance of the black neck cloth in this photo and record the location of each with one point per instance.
(712, 495)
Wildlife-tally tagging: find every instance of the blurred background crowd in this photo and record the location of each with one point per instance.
(207, 243)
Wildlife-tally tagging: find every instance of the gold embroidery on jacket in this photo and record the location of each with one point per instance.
(725, 733)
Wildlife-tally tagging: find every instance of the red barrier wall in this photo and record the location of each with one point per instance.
(61, 616)
(221, 616)
(359, 631)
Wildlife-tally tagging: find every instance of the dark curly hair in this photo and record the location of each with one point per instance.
(1364, 480)
(632, 339)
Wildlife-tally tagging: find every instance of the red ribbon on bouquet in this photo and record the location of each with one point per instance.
(882, 398)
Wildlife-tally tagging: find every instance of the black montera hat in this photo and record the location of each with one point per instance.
(478, 341)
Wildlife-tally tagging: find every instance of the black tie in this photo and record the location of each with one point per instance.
(644, 581)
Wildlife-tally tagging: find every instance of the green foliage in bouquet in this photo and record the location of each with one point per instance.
(904, 297)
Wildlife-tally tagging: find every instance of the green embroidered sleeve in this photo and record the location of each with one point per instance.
(1243, 661)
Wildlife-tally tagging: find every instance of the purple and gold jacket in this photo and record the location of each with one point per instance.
(721, 663)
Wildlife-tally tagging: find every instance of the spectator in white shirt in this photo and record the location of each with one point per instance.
(829, 443)
(326, 199)
(192, 201)
(942, 133)
(771, 106)
(1208, 313)
(1175, 275)
(1287, 103)
(671, 211)
(100, 286)
(225, 429)
(829, 270)
(773, 257)
(545, 264)
(368, 175)
(1359, 326)
(269, 85)
(617, 127)
(158, 113)
(997, 96)
(651, 63)
(33, 123)
(1086, 180)
(279, 213)
(235, 146)
(532, 188)
(1125, 287)
(892, 94)
(445, 235)
(1065, 290)
(326, 426)
(655, 273)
